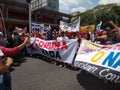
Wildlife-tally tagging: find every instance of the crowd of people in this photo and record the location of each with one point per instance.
(13, 46)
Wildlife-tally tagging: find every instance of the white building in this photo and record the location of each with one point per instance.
(48, 4)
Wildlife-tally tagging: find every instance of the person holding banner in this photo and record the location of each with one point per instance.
(62, 37)
(117, 30)
(5, 78)
(111, 36)
(54, 35)
(3, 69)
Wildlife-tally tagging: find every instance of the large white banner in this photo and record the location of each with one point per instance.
(63, 51)
(37, 27)
(100, 60)
(70, 27)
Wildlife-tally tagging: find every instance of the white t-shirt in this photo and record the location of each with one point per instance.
(1, 76)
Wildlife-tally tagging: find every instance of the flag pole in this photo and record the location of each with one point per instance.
(3, 21)
(79, 23)
(29, 17)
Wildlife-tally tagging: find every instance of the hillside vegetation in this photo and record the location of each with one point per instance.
(104, 13)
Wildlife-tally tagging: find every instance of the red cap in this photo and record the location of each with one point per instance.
(36, 32)
(70, 32)
(99, 32)
(85, 32)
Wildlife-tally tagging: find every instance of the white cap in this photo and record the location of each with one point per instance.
(1, 33)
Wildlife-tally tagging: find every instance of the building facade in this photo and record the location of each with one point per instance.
(16, 13)
(53, 5)
(47, 4)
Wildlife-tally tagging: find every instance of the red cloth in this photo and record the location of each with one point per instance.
(70, 33)
(99, 33)
(84, 32)
(79, 35)
(9, 51)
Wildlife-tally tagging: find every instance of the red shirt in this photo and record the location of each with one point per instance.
(9, 51)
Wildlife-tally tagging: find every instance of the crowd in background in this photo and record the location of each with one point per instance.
(105, 37)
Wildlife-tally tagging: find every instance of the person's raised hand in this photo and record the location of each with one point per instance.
(27, 39)
(9, 62)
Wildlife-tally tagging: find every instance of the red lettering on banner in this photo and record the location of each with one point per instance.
(49, 45)
(52, 45)
(56, 45)
(45, 45)
(119, 48)
(106, 47)
(41, 43)
(64, 45)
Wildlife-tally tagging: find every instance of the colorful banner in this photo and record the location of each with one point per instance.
(63, 51)
(90, 28)
(102, 61)
(37, 27)
(70, 27)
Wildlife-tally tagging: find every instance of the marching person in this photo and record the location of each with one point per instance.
(116, 30)
(5, 78)
(62, 37)
(3, 69)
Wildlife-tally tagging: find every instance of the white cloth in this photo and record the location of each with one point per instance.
(62, 38)
(1, 53)
(59, 38)
(1, 76)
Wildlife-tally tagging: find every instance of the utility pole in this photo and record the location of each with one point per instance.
(34, 5)
(3, 21)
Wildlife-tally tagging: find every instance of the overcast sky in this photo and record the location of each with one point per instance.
(69, 6)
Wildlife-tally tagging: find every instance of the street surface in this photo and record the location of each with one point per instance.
(37, 74)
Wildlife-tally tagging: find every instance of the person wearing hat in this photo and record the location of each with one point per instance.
(100, 37)
(85, 34)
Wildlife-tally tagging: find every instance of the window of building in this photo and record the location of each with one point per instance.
(49, 4)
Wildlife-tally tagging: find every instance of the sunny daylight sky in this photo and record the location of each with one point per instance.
(69, 6)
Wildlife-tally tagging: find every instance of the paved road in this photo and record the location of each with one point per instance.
(36, 74)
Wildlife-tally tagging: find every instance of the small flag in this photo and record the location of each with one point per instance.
(98, 27)
(49, 28)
